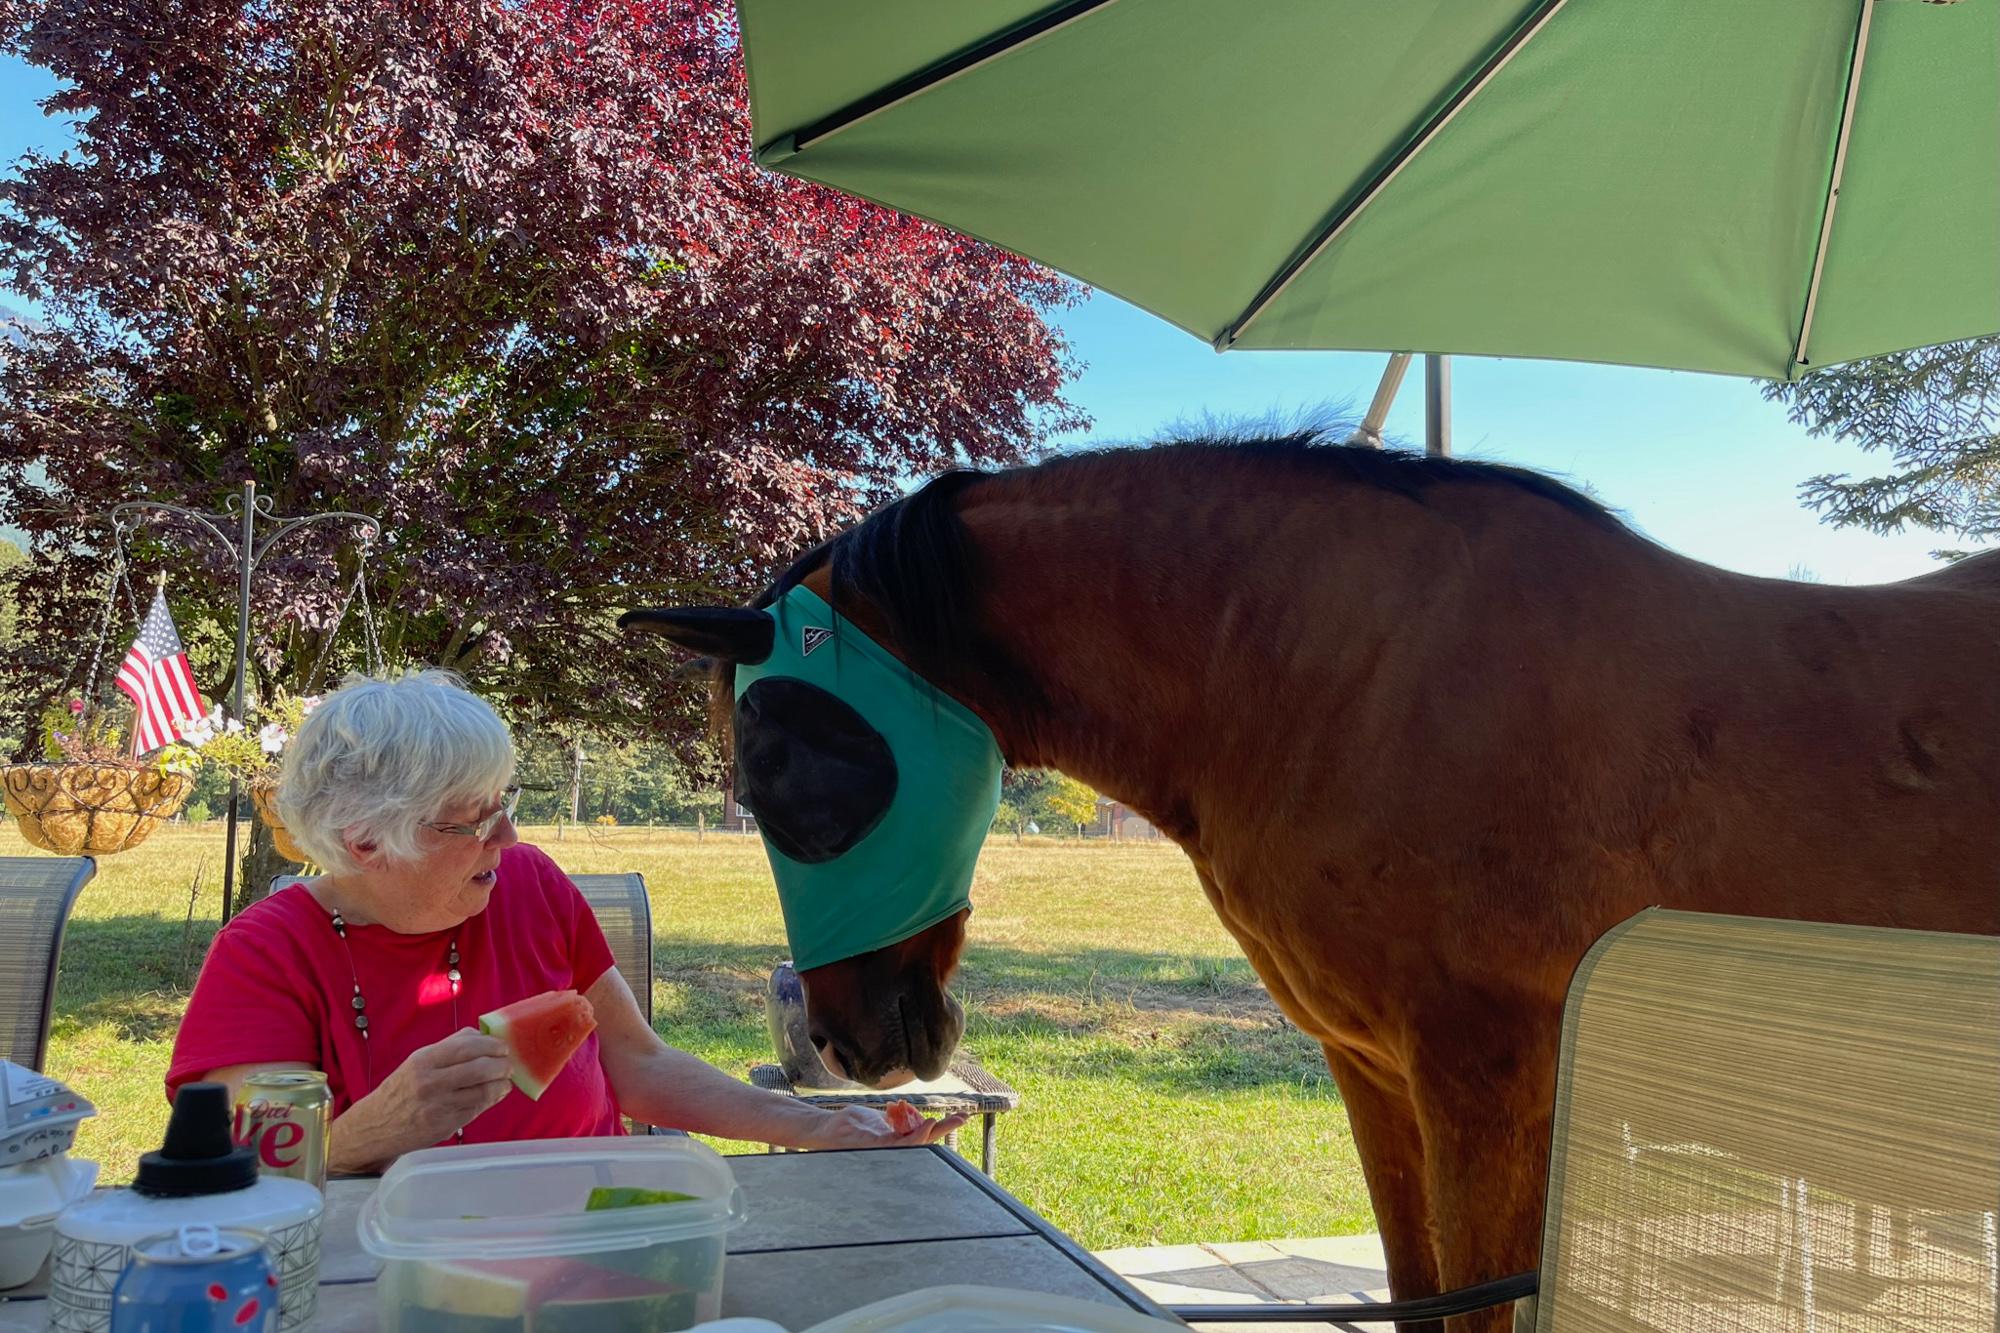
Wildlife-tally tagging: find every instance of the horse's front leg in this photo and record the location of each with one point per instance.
(1392, 1159)
(1483, 1090)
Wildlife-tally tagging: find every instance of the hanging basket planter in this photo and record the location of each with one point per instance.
(264, 795)
(96, 809)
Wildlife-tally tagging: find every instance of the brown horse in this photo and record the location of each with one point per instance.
(1427, 729)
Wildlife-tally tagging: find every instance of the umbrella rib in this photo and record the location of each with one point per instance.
(985, 52)
(1833, 184)
(1331, 230)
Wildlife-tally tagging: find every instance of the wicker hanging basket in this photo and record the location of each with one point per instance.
(264, 795)
(72, 809)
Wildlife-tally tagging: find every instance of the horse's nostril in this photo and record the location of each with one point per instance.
(819, 1041)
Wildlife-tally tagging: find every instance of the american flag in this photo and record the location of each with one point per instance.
(156, 677)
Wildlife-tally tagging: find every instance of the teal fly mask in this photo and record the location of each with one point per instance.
(873, 790)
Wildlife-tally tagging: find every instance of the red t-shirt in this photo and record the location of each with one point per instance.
(277, 986)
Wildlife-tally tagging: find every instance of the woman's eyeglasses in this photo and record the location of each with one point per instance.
(510, 801)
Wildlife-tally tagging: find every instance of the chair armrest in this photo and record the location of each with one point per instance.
(1466, 1300)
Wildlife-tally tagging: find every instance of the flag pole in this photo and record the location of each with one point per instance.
(248, 552)
(132, 739)
(246, 558)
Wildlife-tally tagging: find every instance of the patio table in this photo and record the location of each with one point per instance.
(827, 1232)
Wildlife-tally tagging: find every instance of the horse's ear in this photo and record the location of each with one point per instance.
(726, 633)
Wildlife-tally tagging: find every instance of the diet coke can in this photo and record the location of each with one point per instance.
(283, 1114)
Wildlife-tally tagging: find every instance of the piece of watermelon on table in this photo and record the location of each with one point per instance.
(547, 1294)
(541, 1033)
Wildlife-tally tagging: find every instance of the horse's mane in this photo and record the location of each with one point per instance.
(912, 561)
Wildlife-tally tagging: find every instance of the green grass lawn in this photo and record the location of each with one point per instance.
(1164, 1100)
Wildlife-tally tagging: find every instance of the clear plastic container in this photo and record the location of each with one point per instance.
(31, 1195)
(497, 1237)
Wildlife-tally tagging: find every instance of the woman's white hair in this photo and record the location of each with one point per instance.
(381, 755)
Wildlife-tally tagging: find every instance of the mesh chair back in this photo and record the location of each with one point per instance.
(624, 914)
(1775, 1125)
(36, 894)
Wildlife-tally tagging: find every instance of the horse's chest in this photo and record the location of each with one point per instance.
(1292, 945)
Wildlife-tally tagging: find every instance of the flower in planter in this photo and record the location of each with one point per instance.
(74, 733)
(231, 746)
(79, 733)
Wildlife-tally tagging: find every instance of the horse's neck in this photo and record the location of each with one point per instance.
(1189, 649)
(1126, 653)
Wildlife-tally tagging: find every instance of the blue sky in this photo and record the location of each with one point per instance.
(1698, 462)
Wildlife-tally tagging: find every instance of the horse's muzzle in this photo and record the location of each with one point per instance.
(910, 1034)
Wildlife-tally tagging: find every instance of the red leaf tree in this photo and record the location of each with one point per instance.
(502, 273)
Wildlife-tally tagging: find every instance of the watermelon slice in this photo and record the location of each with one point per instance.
(545, 1295)
(541, 1033)
(903, 1117)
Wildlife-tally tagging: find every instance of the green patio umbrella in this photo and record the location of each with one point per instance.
(1753, 187)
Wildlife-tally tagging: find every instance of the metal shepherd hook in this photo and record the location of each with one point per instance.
(248, 551)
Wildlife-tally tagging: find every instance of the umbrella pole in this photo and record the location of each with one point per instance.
(1437, 406)
(1369, 432)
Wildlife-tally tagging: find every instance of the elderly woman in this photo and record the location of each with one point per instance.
(432, 911)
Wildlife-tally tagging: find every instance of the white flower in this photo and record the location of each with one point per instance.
(272, 737)
(233, 726)
(307, 704)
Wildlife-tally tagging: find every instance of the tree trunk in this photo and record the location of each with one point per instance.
(575, 779)
(260, 863)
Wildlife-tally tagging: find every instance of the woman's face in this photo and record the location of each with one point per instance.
(452, 877)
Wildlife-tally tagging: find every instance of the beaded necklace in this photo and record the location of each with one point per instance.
(360, 1002)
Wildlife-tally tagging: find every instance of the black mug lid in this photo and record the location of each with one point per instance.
(199, 1156)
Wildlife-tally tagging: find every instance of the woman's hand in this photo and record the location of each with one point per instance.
(432, 1095)
(865, 1127)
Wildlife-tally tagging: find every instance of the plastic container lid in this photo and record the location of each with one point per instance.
(989, 1310)
(513, 1200)
(31, 1195)
(34, 1192)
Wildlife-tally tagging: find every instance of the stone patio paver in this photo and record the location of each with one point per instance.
(1257, 1272)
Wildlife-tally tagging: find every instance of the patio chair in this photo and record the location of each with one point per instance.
(36, 895)
(1760, 1125)
(624, 914)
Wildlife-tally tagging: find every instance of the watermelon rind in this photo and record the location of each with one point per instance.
(495, 1024)
(465, 1291)
(630, 1196)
